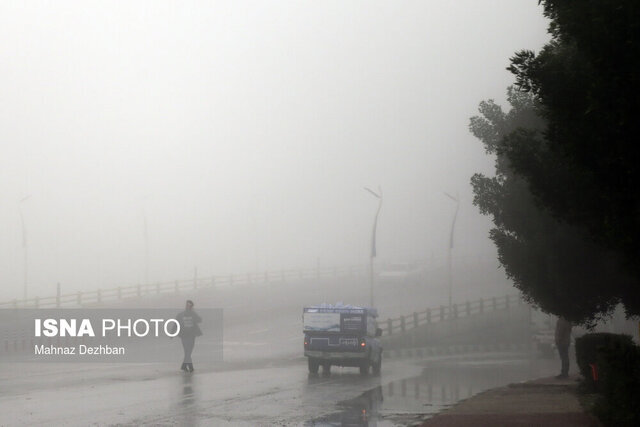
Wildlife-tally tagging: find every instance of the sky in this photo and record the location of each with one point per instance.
(239, 136)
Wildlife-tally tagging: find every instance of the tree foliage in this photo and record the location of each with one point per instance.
(583, 167)
(555, 264)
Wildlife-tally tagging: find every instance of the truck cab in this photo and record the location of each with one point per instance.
(341, 336)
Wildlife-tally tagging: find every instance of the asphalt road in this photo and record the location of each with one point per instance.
(92, 394)
(265, 393)
(264, 379)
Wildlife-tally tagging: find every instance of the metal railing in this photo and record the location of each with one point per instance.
(98, 296)
(442, 313)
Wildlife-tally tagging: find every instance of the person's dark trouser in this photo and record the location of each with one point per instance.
(188, 342)
(564, 357)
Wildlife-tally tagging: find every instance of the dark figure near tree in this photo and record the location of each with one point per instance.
(563, 340)
(189, 330)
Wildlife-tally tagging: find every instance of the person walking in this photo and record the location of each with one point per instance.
(563, 340)
(189, 330)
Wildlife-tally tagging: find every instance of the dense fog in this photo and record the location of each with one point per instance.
(141, 140)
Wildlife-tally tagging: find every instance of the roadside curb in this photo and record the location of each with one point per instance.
(541, 402)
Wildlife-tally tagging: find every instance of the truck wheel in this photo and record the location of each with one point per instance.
(313, 366)
(364, 368)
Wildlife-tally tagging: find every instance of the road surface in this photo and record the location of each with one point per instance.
(262, 393)
(264, 379)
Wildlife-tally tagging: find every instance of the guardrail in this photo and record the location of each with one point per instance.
(135, 291)
(439, 314)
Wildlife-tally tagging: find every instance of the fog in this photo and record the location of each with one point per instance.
(238, 136)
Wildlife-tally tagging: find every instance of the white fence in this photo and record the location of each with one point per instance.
(136, 291)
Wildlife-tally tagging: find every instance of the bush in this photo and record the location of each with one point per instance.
(619, 383)
(587, 347)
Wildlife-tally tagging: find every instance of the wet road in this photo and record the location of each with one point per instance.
(263, 381)
(265, 393)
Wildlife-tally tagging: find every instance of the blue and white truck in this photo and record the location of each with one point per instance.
(341, 335)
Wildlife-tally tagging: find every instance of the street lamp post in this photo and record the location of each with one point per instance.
(453, 226)
(145, 236)
(24, 249)
(146, 246)
(378, 195)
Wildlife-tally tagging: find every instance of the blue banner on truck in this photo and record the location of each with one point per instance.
(334, 320)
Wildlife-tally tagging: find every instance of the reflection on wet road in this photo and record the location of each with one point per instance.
(441, 384)
(406, 392)
(189, 400)
(360, 411)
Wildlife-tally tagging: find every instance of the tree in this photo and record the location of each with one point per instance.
(556, 265)
(583, 167)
